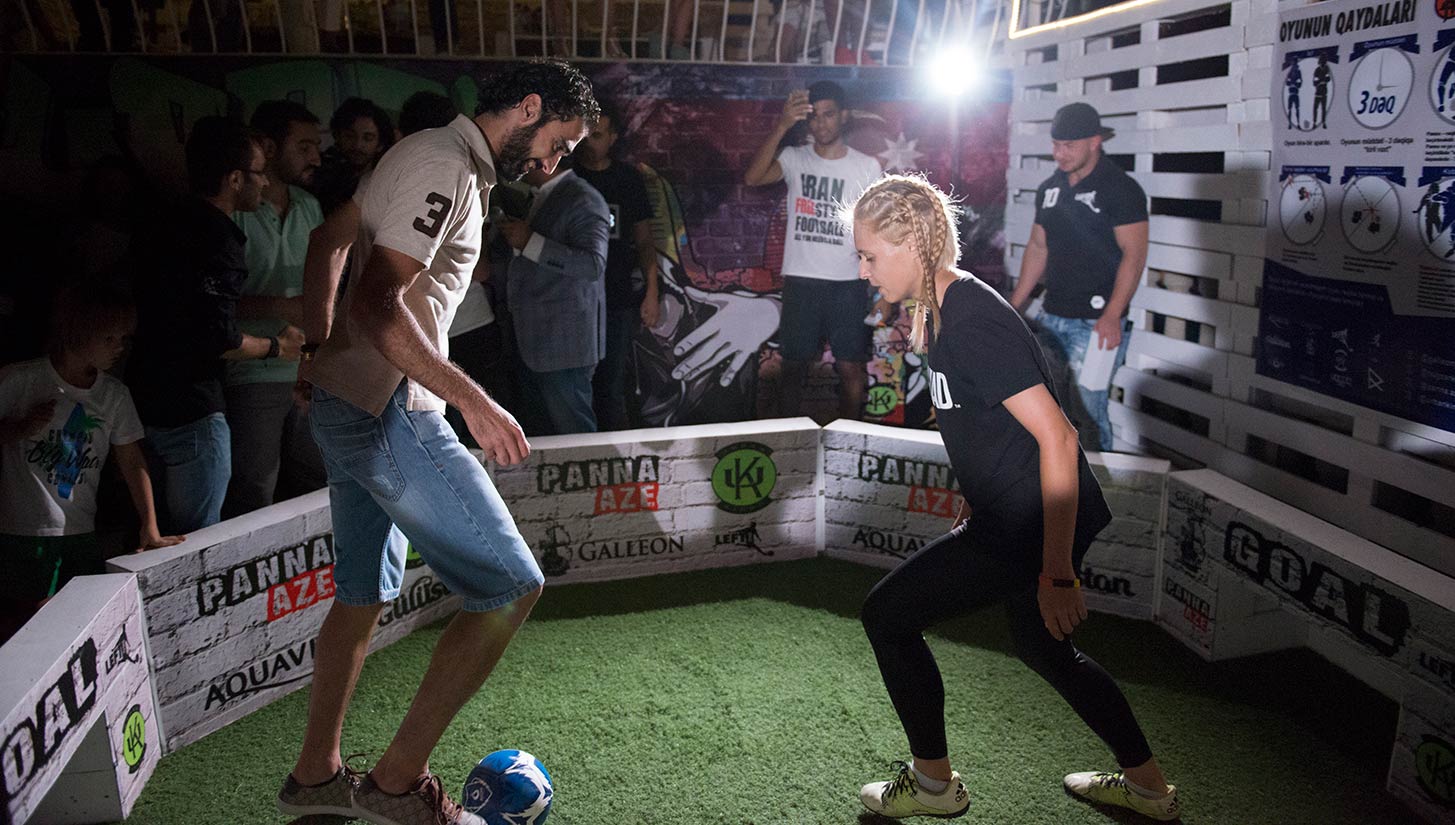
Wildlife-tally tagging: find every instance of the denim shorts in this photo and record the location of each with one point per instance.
(405, 476)
(815, 309)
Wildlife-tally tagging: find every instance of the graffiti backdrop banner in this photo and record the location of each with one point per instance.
(691, 130)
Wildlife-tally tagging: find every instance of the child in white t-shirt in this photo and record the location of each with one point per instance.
(59, 418)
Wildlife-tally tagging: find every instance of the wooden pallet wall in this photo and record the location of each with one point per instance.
(1186, 84)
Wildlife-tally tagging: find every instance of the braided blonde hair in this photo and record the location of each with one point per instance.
(908, 208)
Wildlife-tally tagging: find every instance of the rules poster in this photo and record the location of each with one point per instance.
(1359, 285)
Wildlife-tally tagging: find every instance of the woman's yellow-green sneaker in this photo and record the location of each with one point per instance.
(902, 796)
(1111, 789)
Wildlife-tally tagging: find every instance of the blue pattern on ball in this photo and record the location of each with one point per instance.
(509, 787)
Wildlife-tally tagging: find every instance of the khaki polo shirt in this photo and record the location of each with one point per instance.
(425, 200)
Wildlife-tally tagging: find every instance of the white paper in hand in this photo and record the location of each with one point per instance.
(1097, 367)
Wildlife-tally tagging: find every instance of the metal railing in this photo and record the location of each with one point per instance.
(844, 32)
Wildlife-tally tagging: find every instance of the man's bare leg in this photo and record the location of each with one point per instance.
(790, 387)
(466, 653)
(343, 642)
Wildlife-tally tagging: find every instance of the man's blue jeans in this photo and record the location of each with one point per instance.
(1065, 341)
(191, 465)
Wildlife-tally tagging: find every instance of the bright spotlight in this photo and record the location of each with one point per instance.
(953, 71)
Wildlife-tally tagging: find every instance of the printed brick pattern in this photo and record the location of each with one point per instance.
(1214, 543)
(884, 499)
(1422, 767)
(99, 677)
(1266, 587)
(586, 510)
(131, 689)
(226, 639)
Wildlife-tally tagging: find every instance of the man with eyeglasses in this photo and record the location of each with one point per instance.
(273, 452)
(190, 270)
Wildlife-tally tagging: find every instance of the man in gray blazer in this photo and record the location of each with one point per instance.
(556, 292)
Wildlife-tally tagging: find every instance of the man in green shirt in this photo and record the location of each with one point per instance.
(273, 451)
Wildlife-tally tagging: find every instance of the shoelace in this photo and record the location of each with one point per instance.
(446, 809)
(1110, 780)
(901, 784)
(354, 775)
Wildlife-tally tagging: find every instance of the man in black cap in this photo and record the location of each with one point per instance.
(1089, 243)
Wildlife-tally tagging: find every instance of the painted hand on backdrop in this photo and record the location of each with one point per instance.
(734, 333)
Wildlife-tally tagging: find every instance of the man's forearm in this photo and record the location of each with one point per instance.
(251, 348)
(763, 159)
(1129, 273)
(323, 268)
(392, 329)
(1033, 268)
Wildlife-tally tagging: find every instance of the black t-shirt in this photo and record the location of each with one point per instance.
(190, 272)
(626, 197)
(1080, 223)
(983, 355)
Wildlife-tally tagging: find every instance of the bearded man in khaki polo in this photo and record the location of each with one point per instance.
(396, 470)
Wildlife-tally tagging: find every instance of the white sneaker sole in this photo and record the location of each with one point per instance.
(1113, 806)
(956, 815)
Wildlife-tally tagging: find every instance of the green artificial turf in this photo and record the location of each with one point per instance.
(750, 695)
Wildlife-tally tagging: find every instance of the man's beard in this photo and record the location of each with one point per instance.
(515, 154)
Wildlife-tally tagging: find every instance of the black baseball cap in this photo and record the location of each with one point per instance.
(1075, 121)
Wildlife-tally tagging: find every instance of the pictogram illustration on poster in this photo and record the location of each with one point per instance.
(1359, 285)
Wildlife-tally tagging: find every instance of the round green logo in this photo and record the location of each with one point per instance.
(744, 477)
(1435, 769)
(134, 738)
(882, 400)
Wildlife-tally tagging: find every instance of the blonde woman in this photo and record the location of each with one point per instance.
(1036, 508)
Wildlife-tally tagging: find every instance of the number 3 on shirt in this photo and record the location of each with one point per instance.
(432, 220)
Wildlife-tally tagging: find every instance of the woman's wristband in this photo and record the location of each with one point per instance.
(1053, 582)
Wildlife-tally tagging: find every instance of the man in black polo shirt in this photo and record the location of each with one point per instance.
(1089, 243)
(630, 248)
(190, 270)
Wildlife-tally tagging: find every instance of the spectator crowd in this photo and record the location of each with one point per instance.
(152, 387)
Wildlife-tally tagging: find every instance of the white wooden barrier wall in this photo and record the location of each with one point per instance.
(1213, 376)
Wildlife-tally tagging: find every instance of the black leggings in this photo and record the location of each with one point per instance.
(955, 575)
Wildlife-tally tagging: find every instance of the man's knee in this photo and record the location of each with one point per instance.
(518, 609)
(530, 598)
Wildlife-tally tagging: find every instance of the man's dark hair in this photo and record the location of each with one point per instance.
(217, 147)
(611, 113)
(827, 90)
(565, 92)
(356, 107)
(425, 110)
(273, 118)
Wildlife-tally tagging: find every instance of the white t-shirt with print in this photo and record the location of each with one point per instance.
(48, 480)
(816, 243)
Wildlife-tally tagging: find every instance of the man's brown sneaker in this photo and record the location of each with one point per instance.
(334, 797)
(424, 804)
